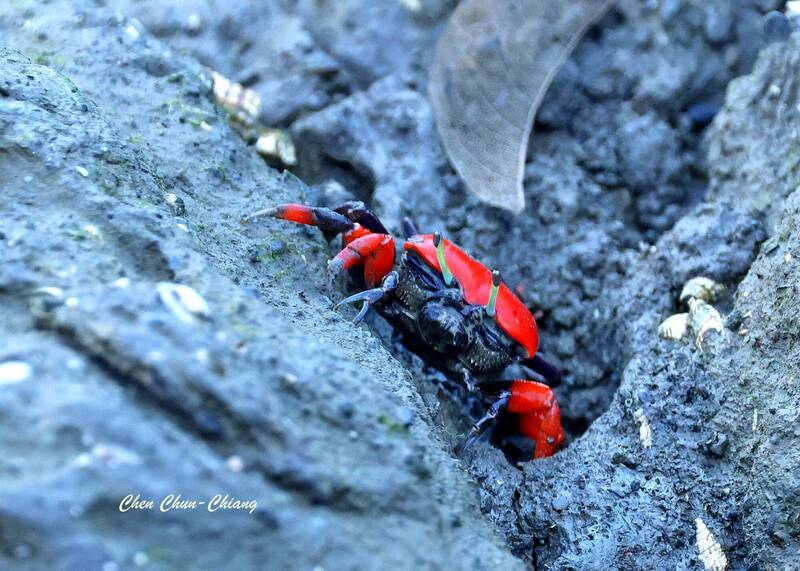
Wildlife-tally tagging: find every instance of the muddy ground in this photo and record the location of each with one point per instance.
(120, 178)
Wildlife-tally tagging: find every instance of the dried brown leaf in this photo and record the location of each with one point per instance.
(493, 65)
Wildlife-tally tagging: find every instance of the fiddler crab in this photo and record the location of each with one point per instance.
(452, 305)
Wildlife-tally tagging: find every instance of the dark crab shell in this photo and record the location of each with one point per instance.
(475, 280)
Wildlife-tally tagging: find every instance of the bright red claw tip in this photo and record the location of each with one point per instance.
(299, 213)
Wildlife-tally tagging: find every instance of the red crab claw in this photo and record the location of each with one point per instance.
(540, 416)
(371, 296)
(327, 220)
(375, 251)
(364, 238)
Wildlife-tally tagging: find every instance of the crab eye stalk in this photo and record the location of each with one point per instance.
(439, 243)
(491, 307)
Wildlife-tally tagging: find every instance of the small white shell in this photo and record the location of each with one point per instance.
(702, 319)
(194, 23)
(184, 302)
(108, 454)
(51, 291)
(701, 288)
(114, 455)
(710, 551)
(132, 32)
(234, 463)
(277, 144)
(674, 327)
(645, 432)
(412, 6)
(12, 372)
(242, 104)
(92, 232)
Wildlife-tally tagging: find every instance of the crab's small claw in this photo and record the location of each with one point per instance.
(365, 240)
(540, 415)
(375, 251)
(371, 296)
(335, 267)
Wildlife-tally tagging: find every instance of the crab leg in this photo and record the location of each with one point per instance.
(365, 239)
(484, 422)
(409, 228)
(371, 296)
(550, 373)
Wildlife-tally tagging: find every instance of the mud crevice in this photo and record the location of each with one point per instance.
(318, 166)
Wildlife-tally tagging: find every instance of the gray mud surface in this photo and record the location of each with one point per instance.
(120, 178)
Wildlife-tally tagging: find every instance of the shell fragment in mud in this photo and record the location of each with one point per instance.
(711, 554)
(674, 327)
(645, 432)
(701, 288)
(703, 318)
(184, 302)
(242, 104)
(276, 144)
(12, 372)
(697, 294)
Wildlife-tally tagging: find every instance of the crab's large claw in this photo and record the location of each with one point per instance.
(365, 241)
(327, 220)
(540, 418)
(375, 251)
(371, 296)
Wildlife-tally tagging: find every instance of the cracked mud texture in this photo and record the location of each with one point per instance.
(348, 453)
